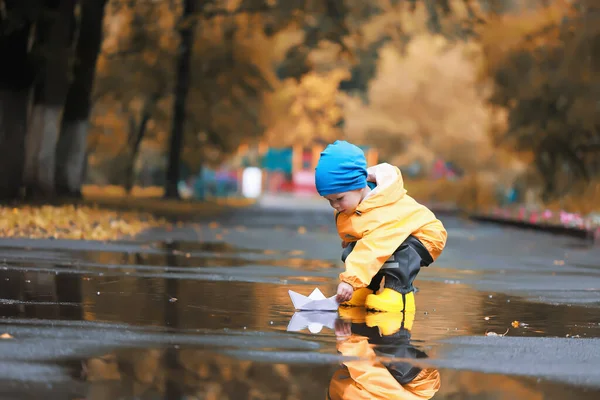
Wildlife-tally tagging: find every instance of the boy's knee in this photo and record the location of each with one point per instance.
(434, 237)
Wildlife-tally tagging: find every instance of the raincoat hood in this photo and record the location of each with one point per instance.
(389, 189)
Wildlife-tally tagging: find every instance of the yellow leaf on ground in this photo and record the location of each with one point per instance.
(73, 222)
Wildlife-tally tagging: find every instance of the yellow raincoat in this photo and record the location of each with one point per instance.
(367, 378)
(381, 223)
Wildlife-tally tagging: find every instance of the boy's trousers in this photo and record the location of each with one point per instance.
(401, 269)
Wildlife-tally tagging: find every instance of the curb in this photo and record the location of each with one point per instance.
(559, 223)
(580, 233)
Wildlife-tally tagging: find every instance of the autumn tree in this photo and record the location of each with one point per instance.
(53, 39)
(230, 70)
(16, 77)
(545, 75)
(74, 126)
(226, 80)
(332, 22)
(305, 111)
(134, 80)
(433, 109)
(38, 38)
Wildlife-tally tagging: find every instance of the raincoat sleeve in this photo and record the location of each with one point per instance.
(371, 252)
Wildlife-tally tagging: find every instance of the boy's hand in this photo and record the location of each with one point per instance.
(344, 292)
(343, 329)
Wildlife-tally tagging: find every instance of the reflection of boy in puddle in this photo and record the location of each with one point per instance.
(382, 370)
(384, 231)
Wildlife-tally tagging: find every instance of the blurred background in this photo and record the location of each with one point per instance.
(481, 103)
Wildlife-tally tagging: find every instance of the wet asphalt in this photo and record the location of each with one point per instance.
(201, 310)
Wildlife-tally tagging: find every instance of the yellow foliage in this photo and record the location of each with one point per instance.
(301, 112)
(583, 199)
(426, 104)
(73, 222)
(510, 32)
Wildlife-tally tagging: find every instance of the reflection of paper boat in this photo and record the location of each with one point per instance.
(313, 320)
(316, 301)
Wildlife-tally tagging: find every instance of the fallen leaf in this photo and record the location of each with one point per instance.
(73, 222)
(302, 230)
(213, 225)
(296, 253)
(515, 324)
(559, 262)
(496, 334)
(6, 336)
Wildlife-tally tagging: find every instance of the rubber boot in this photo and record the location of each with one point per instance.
(356, 315)
(391, 301)
(409, 320)
(358, 298)
(388, 323)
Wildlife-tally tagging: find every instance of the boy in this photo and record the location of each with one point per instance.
(380, 362)
(384, 232)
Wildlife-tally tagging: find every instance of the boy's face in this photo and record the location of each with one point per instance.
(345, 202)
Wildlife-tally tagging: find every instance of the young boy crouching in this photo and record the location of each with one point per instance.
(385, 232)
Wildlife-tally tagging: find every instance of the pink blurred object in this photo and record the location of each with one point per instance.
(533, 217)
(304, 182)
(571, 219)
(547, 214)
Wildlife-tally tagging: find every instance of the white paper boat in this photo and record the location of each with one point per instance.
(313, 320)
(316, 301)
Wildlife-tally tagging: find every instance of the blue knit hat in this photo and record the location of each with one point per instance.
(341, 168)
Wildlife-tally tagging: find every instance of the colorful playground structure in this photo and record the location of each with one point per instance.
(282, 170)
(292, 169)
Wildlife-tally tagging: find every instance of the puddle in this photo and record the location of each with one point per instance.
(187, 373)
(443, 309)
(151, 365)
(162, 322)
(165, 256)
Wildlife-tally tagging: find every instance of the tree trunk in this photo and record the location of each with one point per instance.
(186, 34)
(136, 134)
(15, 83)
(53, 39)
(70, 152)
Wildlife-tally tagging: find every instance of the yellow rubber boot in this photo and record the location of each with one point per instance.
(388, 323)
(355, 315)
(358, 298)
(391, 301)
(409, 320)
(410, 306)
